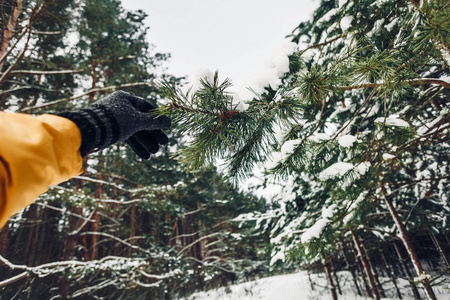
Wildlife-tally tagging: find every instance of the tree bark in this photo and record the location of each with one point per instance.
(351, 268)
(93, 237)
(8, 32)
(373, 269)
(408, 245)
(35, 236)
(390, 273)
(4, 233)
(333, 269)
(440, 250)
(330, 278)
(366, 266)
(406, 271)
(132, 227)
(202, 243)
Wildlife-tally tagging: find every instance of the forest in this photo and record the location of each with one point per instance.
(351, 121)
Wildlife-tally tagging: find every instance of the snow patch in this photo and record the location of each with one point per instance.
(363, 167)
(392, 121)
(347, 141)
(319, 137)
(204, 74)
(289, 146)
(346, 22)
(387, 156)
(337, 169)
(277, 64)
(316, 230)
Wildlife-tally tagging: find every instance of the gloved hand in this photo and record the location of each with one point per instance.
(120, 117)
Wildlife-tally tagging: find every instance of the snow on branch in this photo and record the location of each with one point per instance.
(108, 88)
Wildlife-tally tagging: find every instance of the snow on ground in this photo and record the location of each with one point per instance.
(297, 286)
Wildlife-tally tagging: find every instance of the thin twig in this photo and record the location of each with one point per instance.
(421, 81)
(115, 87)
(323, 44)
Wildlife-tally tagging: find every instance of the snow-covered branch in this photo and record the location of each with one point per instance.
(103, 89)
(41, 72)
(107, 235)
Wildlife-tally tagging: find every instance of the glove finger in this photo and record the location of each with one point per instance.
(139, 103)
(147, 140)
(138, 148)
(153, 123)
(159, 136)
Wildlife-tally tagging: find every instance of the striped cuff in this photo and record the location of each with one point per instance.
(98, 128)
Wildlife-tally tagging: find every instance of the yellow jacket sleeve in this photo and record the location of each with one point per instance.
(35, 152)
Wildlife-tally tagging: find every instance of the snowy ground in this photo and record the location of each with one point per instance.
(297, 286)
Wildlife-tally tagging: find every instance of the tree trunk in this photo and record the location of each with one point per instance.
(311, 284)
(333, 269)
(32, 218)
(94, 237)
(366, 266)
(132, 228)
(351, 268)
(4, 232)
(359, 268)
(96, 217)
(440, 250)
(8, 31)
(390, 273)
(374, 270)
(408, 245)
(71, 240)
(201, 227)
(47, 240)
(69, 249)
(35, 239)
(407, 272)
(330, 278)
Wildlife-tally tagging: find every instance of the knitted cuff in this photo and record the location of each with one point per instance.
(97, 126)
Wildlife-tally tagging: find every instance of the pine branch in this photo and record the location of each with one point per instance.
(422, 81)
(323, 44)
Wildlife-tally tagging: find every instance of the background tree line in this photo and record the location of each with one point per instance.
(125, 228)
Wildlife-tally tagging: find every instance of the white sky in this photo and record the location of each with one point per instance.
(231, 36)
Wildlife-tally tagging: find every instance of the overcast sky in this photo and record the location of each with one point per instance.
(231, 36)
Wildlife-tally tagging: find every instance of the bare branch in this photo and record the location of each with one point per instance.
(421, 81)
(93, 288)
(156, 276)
(198, 240)
(13, 279)
(49, 32)
(64, 211)
(323, 44)
(40, 72)
(116, 239)
(108, 88)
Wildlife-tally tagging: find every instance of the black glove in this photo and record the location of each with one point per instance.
(120, 117)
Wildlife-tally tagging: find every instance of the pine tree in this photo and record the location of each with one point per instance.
(364, 120)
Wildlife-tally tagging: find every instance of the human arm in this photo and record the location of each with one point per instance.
(35, 152)
(47, 150)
